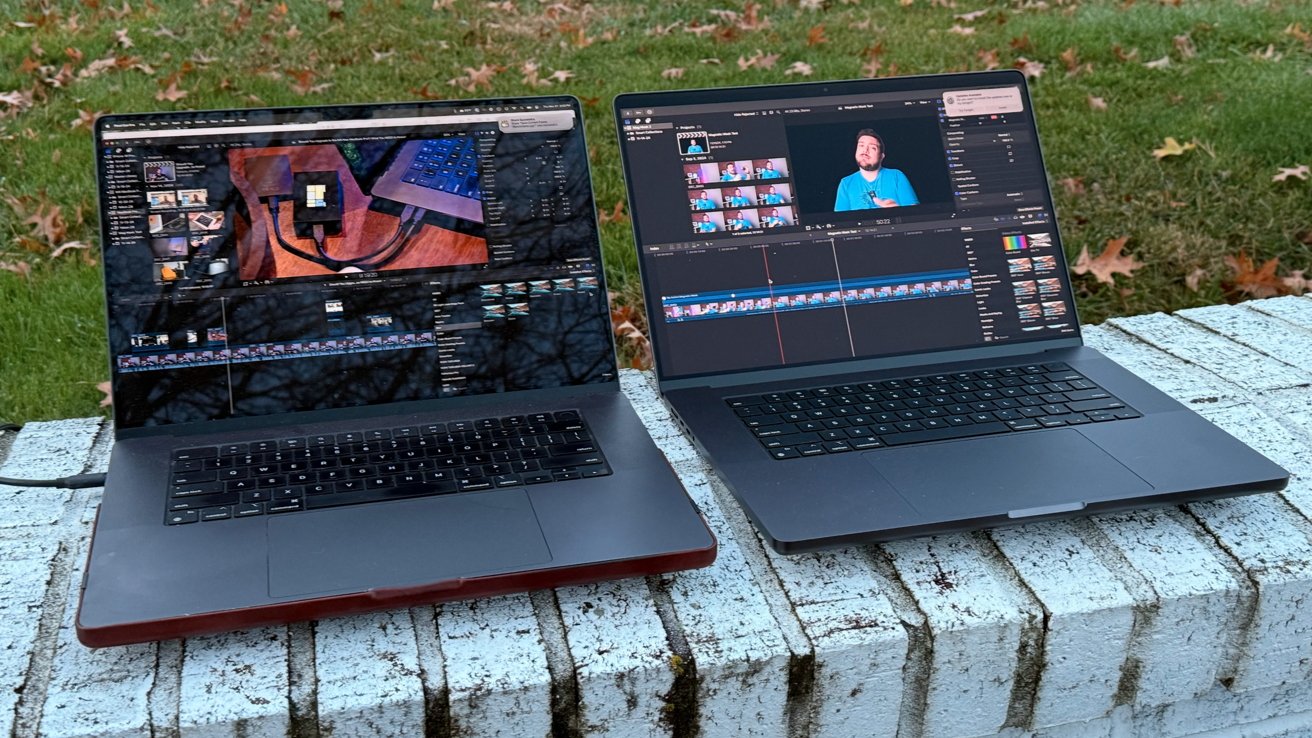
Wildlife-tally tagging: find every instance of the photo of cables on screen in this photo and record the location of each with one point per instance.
(323, 209)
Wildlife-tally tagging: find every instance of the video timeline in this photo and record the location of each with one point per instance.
(221, 354)
(815, 295)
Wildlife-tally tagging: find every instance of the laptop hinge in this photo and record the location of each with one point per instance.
(872, 365)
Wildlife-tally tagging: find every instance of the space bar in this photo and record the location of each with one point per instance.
(313, 502)
(939, 434)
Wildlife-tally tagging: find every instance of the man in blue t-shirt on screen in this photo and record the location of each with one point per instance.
(772, 197)
(704, 202)
(872, 185)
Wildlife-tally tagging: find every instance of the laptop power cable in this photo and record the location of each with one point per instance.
(76, 481)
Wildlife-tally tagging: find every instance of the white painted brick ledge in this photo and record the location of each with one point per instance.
(1189, 621)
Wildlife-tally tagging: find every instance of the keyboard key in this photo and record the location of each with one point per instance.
(202, 501)
(182, 518)
(207, 452)
(965, 431)
(1088, 405)
(216, 513)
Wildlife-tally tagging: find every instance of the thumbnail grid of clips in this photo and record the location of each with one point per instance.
(262, 351)
(809, 297)
(516, 294)
(181, 226)
(719, 204)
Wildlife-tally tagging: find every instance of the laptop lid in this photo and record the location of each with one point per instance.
(252, 268)
(843, 223)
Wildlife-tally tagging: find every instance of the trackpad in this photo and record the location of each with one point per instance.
(1057, 470)
(405, 543)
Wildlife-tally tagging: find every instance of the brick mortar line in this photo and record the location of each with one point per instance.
(919, 664)
(302, 681)
(1239, 629)
(1147, 604)
(36, 683)
(800, 709)
(681, 712)
(164, 698)
(566, 719)
(1031, 650)
(1252, 306)
(432, 672)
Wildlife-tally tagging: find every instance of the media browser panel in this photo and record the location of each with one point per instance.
(812, 227)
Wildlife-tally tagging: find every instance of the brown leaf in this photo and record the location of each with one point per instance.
(426, 93)
(98, 67)
(1109, 262)
(1162, 63)
(68, 246)
(673, 73)
(799, 67)
(1301, 171)
(968, 17)
(1296, 283)
(85, 118)
(47, 222)
(1296, 30)
(121, 38)
(616, 214)
(1123, 55)
(108, 399)
(1195, 278)
(1185, 46)
(17, 267)
(1251, 282)
(988, 57)
(961, 30)
(760, 60)
(1071, 59)
(816, 36)
(1031, 69)
(1022, 44)
(1097, 103)
(171, 93)
(475, 78)
(627, 322)
(1073, 185)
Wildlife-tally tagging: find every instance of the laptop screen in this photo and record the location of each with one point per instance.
(797, 224)
(273, 261)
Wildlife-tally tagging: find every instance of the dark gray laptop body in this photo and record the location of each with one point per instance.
(817, 365)
(315, 439)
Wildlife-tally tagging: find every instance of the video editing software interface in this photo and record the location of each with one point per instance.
(281, 260)
(777, 232)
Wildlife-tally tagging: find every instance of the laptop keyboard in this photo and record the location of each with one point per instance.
(446, 165)
(291, 474)
(895, 412)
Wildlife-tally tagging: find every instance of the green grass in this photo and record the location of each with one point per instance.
(1181, 214)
